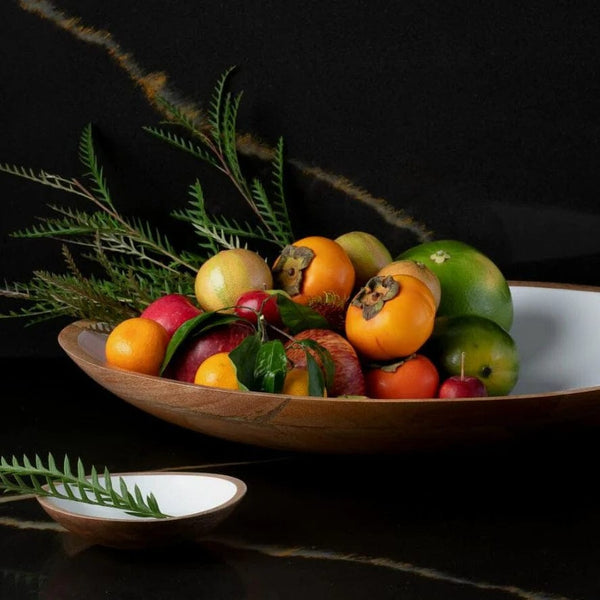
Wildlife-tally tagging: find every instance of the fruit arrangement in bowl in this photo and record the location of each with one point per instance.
(332, 318)
(317, 343)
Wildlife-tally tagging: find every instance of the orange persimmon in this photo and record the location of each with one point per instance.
(390, 317)
(314, 266)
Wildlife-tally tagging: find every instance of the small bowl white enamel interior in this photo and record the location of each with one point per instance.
(195, 502)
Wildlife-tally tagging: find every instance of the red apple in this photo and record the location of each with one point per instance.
(171, 311)
(348, 378)
(462, 386)
(187, 358)
(254, 302)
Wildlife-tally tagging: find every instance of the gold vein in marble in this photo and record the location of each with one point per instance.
(26, 524)
(155, 84)
(15, 498)
(314, 554)
(219, 465)
(425, 572)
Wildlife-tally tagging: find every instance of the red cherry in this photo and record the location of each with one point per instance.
(250, 304)
(462, 386)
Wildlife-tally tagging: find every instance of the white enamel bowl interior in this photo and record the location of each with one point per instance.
(177, 494)
(556, 331)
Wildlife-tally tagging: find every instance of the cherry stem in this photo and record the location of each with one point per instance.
(462, 365)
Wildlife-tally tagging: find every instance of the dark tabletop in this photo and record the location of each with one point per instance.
(516, 520)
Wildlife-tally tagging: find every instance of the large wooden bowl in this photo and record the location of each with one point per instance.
(556, 330)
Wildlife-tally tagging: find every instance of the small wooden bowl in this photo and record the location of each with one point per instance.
(196, 503)
(555, 328)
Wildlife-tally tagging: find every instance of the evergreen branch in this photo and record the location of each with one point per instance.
(183, 144)
(117, 232)
(215, 109)
(216, 232)
(198, 216)
(138, 261)
(272, 219)
(26, 478)
(126, 293)
(229, 137)
(72, 223)
(87, 156)
(279, 204)
(221, 143)
(44, 178)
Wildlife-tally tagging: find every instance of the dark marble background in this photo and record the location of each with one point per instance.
(478, 120)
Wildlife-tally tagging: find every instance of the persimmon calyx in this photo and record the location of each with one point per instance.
(394, 366)
(289, 268)
(374, 294)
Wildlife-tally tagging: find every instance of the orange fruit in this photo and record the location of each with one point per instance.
(314, 266)
(416, 269)
(296, 382)
(471, 282)
(137, 344)
(224, 277)
(390, 317)
(219, 371)
(414, 377)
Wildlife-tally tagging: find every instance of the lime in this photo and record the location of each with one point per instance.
(471, 282)
(490, 353)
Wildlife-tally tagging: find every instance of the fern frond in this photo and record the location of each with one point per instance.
(44, 178)
(216, 232)
(25, 478)
(229, 138)
(87, 155)
(280, 209)
(137, 260)
(215, 112)
(271, 219)
(183, 144)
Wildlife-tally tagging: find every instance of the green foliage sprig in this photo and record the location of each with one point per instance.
(41, 480)
(139, 262)
(219, 139)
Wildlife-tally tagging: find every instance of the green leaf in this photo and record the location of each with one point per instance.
(195, 326)
(298, 317)
(316, 381)
(271, 366)
(325, 360)
(243, 357)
